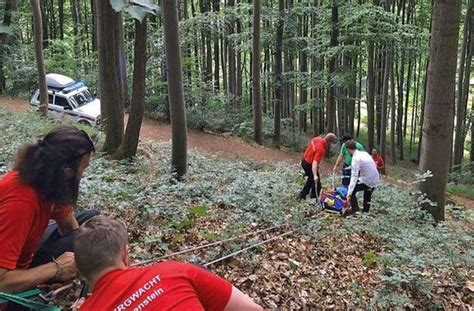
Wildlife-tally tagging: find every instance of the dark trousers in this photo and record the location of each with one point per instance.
(53, 244)
(310, 186)
(346, 175)
(367, 197)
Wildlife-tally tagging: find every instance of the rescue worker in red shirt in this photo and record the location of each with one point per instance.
(42, 186)
(311, 161)
(102, 257)
(378, 161)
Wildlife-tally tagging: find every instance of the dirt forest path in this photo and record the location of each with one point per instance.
(227, 147)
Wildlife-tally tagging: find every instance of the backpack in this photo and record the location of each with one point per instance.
(334, 200)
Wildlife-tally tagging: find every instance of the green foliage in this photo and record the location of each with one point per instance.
(370, 258)
(411, 253)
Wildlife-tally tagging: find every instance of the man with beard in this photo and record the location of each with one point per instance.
(42, 186)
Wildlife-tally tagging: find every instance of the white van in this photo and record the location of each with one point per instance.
(71, 98)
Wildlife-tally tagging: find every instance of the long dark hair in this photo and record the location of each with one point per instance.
(42, 165)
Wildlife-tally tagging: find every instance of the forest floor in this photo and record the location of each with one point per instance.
(390, 258)
(231, 147)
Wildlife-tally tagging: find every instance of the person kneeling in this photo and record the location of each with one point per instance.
(37, 223)
(364, 177)
(101, 249)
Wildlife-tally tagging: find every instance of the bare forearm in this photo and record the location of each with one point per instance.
(314, 168)
(338, 160)
(68, 224)
(14, 281)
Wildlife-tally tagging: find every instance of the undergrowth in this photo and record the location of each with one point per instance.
(419, 264)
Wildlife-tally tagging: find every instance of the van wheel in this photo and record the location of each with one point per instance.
(84, 122)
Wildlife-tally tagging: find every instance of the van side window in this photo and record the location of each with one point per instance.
(50, 99)
(61, 101)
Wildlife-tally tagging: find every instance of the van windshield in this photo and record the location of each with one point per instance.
(82, 98)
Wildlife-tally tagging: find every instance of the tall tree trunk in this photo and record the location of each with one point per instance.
(175, 87)
(94, 25)
(111, 104)
(231, 63)
(216, 51)
(383, 119)
(371, 96)
(44, 23)
(315, 94)
(438, 123)
(303, 84)
(257, 104)
(38, 29)
(128, 147)
(61, 18)
(461, 100)
(278, 71)
(122, 64)
(331, 106)
(393, 153)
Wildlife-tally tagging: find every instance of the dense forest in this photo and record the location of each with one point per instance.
(355, 67)
(272, 71)
(393, 74)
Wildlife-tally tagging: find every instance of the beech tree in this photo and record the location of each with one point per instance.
(439, 106)
(38, 29)
(169, 9)
(109, 29)
(257, 100)
(128, 147)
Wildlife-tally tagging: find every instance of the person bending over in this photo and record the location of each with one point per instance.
(364, 177)
(311, 161)
(42, 186)
(102, 257)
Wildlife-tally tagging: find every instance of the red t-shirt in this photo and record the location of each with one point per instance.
(23, 220)
(165, 286)
(378, 161)
(315, 150)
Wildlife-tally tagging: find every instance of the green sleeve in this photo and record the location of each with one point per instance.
(343, 149)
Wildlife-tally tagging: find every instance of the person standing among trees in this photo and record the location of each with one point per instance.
(101, 248)
(311, 161)
(43, 185)
(364, 177)
(378, 161)
(345, 155)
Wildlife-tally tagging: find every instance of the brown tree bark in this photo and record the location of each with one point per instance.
(383, 119)
(128, 147)
(38, 29)
(331, 105)
(216, 51)
(393, 152)
(257, 100)
(169, 11)
(111, 103)
(232, 84)
(278, 72)
(438, 119)
(461, 98)
(44, 23)
(304, 75)
(315, 94)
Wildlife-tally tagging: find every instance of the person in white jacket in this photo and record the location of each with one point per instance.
(364, 177)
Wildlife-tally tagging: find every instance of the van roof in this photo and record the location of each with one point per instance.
(57, 81)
